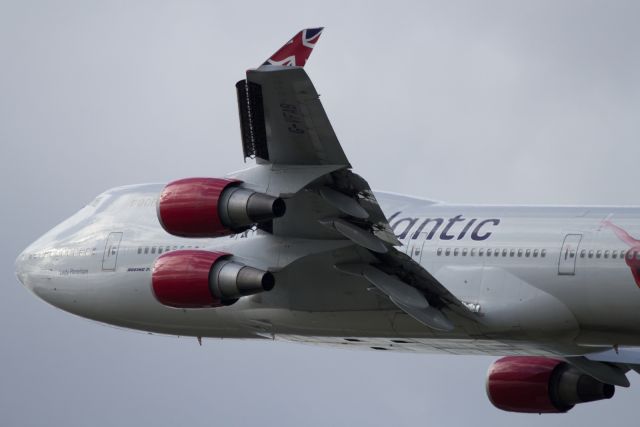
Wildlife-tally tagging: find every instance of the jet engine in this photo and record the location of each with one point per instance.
(213, 207)
(199, 279)
(541, 385)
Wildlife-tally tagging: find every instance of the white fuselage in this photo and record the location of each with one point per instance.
(545, 280)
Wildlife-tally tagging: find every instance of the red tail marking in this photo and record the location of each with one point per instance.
(297, 50)
(631, 257)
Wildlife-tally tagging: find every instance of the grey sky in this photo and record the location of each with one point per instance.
(479, 102)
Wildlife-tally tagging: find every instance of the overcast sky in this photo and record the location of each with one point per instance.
(474, 102)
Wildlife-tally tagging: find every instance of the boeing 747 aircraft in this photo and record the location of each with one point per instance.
(298, 247)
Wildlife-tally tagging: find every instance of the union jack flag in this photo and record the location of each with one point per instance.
(297, 50)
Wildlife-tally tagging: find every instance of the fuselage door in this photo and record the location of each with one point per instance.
(111, 247)
(568, 254)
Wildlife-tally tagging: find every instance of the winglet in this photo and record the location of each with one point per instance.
(297, 50)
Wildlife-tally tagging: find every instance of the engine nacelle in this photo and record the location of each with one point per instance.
(199, 279)
(213, 207)
(541, 385)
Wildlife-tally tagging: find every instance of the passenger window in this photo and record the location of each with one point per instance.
(583, 253)
(464, 251)
(543, 253)
(175, 248)
(614, 254)
(153, 250)
(591, 254)
(447, 252)
(489, 252)
(439, 251)
(481, 252)
(167, 249)
(527, 253)
(519, 253)
(535, 253)
(139, 249)
(598, 253)
(146, 250)
(606, 254)
(512, 252)
(472, 252)
(455, 252)
(160, 249)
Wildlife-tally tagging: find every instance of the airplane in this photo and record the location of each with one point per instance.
(297, 247)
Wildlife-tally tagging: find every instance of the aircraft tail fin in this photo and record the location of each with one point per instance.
(297, 50)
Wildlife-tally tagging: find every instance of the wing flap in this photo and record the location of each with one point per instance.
(406, 297)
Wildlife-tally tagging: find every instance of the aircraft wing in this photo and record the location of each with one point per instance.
(285, 128)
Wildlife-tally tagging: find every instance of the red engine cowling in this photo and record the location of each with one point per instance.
(534, 384)
(199, 279)
(213, 207)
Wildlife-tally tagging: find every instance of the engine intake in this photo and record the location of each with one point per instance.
(213, 207)
(533, 384)
(199, 279)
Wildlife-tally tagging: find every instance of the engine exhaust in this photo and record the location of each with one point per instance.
(229, 280)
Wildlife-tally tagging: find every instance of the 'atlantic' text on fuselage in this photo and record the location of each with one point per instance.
(474, 227)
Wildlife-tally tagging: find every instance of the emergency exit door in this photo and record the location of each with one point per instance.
(569, 254)
(111, 247)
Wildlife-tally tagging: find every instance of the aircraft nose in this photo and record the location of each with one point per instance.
(19, 268)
